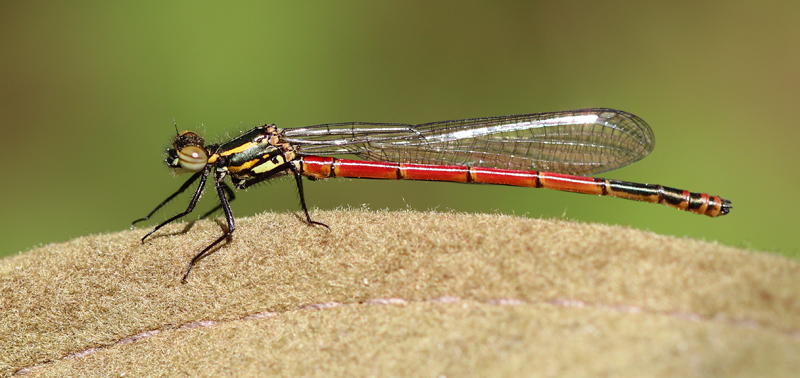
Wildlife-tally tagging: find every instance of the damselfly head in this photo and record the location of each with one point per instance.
(188, 152)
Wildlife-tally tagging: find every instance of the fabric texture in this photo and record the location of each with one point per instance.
(399, 294)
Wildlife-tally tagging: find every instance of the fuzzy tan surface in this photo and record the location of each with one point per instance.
(399, 294)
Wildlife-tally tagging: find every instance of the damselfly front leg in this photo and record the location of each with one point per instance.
(196, 197)
(170, 198)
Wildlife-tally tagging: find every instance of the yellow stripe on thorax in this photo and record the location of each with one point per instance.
(246, 165)
(241, 148)
(269, 164)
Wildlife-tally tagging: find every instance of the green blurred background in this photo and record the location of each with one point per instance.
(89, 91)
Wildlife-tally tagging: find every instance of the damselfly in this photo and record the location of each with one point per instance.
(555, 150)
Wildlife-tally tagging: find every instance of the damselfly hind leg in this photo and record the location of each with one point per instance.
(278, 171)
(298, 178)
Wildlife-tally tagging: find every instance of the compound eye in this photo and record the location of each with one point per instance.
(193, 158)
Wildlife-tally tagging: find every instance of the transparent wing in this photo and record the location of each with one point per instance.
(578, 142)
